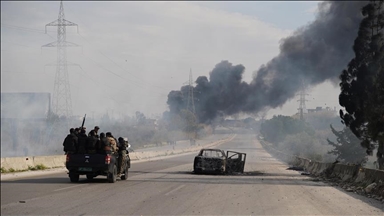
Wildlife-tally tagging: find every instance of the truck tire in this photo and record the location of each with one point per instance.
(90, 176)
(125, 176)
(112, 177)
(74, 177)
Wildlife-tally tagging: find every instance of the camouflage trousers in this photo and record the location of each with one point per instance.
(122, 162)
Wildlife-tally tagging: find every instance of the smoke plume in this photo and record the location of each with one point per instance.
(313, 54)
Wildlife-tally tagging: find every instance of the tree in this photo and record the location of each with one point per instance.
(362, 83)
(140, 118)
(276, 129)
(347, 147)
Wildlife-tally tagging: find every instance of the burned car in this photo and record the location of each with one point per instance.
(216, 161)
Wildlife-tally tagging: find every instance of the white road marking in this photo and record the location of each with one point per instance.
(69, 187)
(178, 188)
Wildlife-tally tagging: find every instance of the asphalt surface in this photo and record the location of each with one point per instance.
(184, 144)
(168, 187)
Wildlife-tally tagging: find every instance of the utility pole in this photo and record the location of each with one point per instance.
(191, 103)
(61, 102)
(302, 100)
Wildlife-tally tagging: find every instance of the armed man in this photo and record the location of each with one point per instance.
(70, 142)
(82, 141)
(95, 130)
(123, 145)
(91, 143)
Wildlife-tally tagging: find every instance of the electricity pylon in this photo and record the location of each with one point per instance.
(302, 100)
(61, 101)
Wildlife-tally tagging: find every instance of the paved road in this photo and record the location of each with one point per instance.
(184, 144)
(168, 187)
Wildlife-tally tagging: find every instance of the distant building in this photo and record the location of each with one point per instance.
(316, 110)
(26, 106)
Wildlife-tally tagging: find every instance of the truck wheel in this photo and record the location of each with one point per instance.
(125, 176)
(74, 177)
(89, 176)
(112, 177)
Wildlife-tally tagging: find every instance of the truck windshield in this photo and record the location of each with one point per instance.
(212, 153)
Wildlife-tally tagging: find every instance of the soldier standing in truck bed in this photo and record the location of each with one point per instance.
(70, 142)
(112, 143)
(102, 144)
(122, 155)
(95, 130)
(91, 143)
(82, 141)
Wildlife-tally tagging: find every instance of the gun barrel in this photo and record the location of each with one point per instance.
(82, 125)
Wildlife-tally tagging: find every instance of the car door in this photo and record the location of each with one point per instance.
(235, 162)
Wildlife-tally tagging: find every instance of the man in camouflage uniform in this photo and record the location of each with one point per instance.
(112, 143)
(123, 145)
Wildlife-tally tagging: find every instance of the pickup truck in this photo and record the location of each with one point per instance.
(93, 165)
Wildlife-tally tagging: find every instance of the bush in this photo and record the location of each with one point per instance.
(37, 167)
(3, 170)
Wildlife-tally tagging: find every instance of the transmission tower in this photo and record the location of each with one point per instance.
(191, 103)
(302, 100)
(61, 102)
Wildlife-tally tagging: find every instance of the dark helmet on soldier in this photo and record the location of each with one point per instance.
(102, 135)
(72, 130)
(108, 134)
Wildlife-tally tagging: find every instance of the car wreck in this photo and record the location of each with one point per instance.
(216, 161)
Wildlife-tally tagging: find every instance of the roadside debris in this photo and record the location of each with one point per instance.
(295, 168)
(369, 188)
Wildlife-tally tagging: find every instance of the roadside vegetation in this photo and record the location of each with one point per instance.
(320, 137)
(361, 134)
(30, 168)
(362, 83)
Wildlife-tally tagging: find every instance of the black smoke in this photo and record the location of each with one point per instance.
(313, 54)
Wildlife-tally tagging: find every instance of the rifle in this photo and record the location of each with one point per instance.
(82, 125)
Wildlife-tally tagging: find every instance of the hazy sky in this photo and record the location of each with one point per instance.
(134, 53)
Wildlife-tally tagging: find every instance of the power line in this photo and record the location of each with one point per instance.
(117, 75)
(97, 84)
(26, 29)
(133, 74)
(142, 81)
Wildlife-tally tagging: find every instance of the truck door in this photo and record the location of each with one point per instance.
(235, 162)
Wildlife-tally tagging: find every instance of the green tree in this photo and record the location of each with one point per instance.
(347, 147)
(276, 129)
(362, 82)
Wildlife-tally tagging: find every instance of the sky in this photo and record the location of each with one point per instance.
(133, 54)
